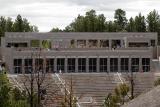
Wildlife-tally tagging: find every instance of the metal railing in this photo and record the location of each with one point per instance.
(13, 77)
(118, 78)
(62, 82)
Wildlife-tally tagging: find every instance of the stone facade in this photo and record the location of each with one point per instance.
(79, 52)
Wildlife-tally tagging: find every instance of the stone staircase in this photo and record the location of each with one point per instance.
(143, 82)
(53, 96)
(89, 88)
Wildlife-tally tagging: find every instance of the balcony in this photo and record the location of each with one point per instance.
(84, 49)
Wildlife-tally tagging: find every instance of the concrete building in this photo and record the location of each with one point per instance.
(79, 52)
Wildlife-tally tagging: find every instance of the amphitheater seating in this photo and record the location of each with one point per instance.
(53, 97)
(89, 88)
(98, 85)
(92, 87)
(143, 82)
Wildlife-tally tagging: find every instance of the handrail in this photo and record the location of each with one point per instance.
(120, 78)
(63, 83)
(15, 81)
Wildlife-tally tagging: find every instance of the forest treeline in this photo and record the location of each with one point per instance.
(92, 22)
(18, 25)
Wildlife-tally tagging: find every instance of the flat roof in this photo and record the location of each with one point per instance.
(152, 35)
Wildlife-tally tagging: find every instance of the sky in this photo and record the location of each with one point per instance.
(47, 14)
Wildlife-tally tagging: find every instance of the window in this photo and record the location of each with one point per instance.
(28, 65)
(116, 44)
(81, 43)
(81, 65)
(49, 65)
(103, 64)
(39, 65)
(138, 44)
(17, 65)
(146, 64)
(92, 64)
(153, 43)
(46, 44)
(124, 64)
(104, 43)
(135, 64)
(60, 64)
(114, 64)
(17, 45)
(72, 44)
(71, 65)
(35, 43)
(92, 43)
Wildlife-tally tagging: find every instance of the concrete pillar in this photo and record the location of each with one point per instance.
(122, 43)
(75, 43)
(129, 65)
(98, 44)
(55, 65)
(110, 44)
(87, 64)
(65, 65)
(44, 64)
(108, 64)
(151, 65)
(23, 66)
(98, 64)
(87, 43)
(140, 65)
(76, 65)
(33, 64)
(119, 64)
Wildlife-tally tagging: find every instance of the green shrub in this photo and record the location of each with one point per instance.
(157, 82)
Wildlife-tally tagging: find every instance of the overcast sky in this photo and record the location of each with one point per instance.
(47, 14)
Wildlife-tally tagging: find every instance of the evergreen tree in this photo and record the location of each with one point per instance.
(2, 26)
(120, 19)
(18, 24)
(130, 25)
(140, 24)
(153, 21)
(9, 25)
(110, 26)
(100, 23)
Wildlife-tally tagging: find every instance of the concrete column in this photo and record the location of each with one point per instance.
(122, 43)
(65, 63)
(151, 66)
(75, 43)
(108, 64)
(98, 44)
(76, 65)
(33, 64)
(110, 44)
(44, 64)
(40, 44)
(119, 64)
(98, 64)
(87, 64)
(23, 67)
(129, 65)
(55, 65)
(87, 43)
(140, 64)
(28, 44)
(125, 42)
